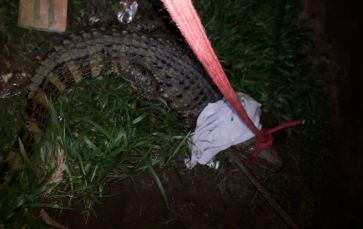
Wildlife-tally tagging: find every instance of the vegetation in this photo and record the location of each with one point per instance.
(264, 49)
(108, 133)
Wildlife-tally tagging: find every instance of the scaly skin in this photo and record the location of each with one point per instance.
(153, 65)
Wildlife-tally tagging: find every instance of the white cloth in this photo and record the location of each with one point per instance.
(219, 127)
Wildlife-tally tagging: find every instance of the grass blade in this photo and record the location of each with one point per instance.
(100, 128)
(160, 185)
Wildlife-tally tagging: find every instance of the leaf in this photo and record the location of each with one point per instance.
(178, 147)
(160, 185)
(106, 133)
(46, 205)
(139, 119)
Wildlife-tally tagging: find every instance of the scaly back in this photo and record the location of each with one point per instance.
(153, 65)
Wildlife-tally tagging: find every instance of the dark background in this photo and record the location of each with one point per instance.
(340, 22)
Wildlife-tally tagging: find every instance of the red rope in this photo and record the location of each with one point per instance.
(188, 21)
(268, 143)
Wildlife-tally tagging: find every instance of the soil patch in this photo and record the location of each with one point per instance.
(199, 199)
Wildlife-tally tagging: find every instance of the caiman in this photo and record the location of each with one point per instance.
(155, 64)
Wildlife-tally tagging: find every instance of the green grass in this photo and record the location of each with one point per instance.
(264, 48)
(109, 133)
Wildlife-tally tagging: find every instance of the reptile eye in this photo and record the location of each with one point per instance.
(179, 96)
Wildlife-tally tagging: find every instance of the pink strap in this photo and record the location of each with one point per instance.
(188, 22)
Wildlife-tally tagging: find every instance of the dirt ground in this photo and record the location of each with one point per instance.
(211, 200)
(198, 199)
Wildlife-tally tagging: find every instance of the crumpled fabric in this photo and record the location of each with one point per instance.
(220, 127)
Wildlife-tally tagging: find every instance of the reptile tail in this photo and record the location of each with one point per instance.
(154, 66)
